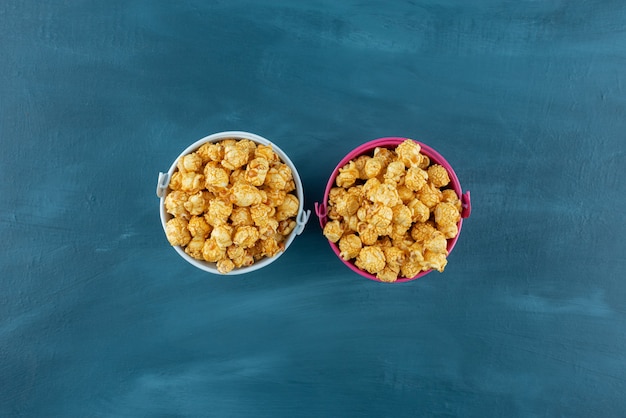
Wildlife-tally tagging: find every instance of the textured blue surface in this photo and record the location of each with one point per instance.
(100, 318)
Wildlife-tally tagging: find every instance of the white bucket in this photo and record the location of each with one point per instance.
(301, 218)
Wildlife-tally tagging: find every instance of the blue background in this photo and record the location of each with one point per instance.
(99, 317)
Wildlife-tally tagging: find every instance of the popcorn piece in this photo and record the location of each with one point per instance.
(243, 194)
(175, 181)
(278, 177)
(409, 153)
(371, 259)
(384, 155)
(261, 213)
(245, 236)
(388, 274)
(446, 214)
(274, 197)
(450, 196)
(240, 216)
(410, 268)
(373, 168)
(256, 171)
(402, 216)
(225, 265)
(405, 193)
(219, 211)
(438, 175)
(211, 151)
(360, 163)
(190, 162)
(266, 152)
(394, 257)
(288, 209)
(194, 247)
(348, 204)
(177, 232)
(198, 203)
(395, 172)
(348, 174)
(385, 194)
(436, 261)
(286, 227)
(175, 204)
(429, 195)
(333, 231)
(367, 233)
(380, 216)
(424, 163)
(351, 223)
(191, 182)
(421, 232)
(269, 229)
(235, 154)
(270, 247)
(238, 176)
(419, 211)
(415, 178)
(239, 256)
(449, 231)
(215, 178)
(222, 234)
(212, 252)
(349, 245)
(198, 227)
(436, 243)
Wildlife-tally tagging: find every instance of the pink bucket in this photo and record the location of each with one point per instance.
(368, 149)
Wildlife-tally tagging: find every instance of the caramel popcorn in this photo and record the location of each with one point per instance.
(392, 212)
(232, 203)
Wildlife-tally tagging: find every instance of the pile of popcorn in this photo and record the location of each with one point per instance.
(232, 203)
(391, 213)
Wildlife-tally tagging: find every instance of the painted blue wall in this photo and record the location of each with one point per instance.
(99, 317)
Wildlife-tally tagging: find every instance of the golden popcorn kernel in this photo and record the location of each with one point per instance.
(409, 153)
(348, 204)
(219, 211)
(373, 168)
(215, 178)
(436, 243)
(402, 215)
(388, 274)
(335, 194)
(405, 193)
(175, 204)
(225, 265)
(211, 151)
(198, 227)
(360, 163)
(419, 211)
(384, 155)
(266, 152)
(245, 236)
(288, 209)
(235, 154)
(270, 247)
(240, 216)
(190, 162)
(410, 269)
(395, 172)
(198, 203)
(269, 229)
(243, 195)
(256, 171)
(175, 181)
(286, 227)
(421, 232)
(446, 214)
(348, 174)
(429, 195)
(380, 216)
(367, 233)
(349, 246)
(274, 197)
(278, 177)
(191, 182)
(195, 246)
(450, 196)
(436, 261)
(261, 213)
(438, 175)
(176, 232)
(415, 178)
(449, 231)
(223, 235)
(333, 231)
(371, 259)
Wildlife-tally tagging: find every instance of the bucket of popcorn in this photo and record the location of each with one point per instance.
(231, 203)
(393, 210)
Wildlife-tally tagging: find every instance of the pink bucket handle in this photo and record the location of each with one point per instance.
(321, 211)
(466, 205)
